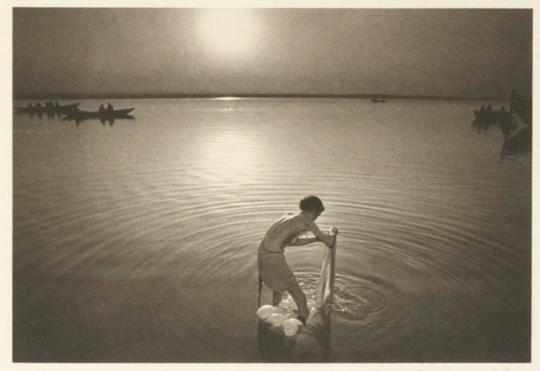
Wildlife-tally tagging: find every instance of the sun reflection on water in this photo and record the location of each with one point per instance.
(230, 156)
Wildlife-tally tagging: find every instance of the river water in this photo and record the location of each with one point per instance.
(135, 241)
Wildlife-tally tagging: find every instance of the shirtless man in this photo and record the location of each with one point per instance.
(273, 268)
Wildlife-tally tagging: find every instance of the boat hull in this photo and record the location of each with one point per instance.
(44, 110)
(100, 115)
(492, 115)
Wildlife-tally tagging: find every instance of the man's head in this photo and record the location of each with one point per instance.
(312, 205)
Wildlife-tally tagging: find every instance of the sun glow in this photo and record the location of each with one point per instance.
(229, 33)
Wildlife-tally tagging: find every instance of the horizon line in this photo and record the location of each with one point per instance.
(46, 96)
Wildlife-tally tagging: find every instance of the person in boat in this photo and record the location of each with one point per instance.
(109, 107)
(38, 105)
(489, 108)
(101, 108)
(482, 108)
(273, 269)
(30, 105)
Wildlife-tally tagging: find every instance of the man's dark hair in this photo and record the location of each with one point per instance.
(311, 202)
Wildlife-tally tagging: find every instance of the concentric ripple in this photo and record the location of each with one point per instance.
(434, 235)
(360, 300)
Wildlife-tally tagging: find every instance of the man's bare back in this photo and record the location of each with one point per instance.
(284, 232)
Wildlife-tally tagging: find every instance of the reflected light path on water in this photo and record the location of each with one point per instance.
(229, 156)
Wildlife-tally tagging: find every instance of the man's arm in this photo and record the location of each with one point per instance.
(303, 241)
(326, 238)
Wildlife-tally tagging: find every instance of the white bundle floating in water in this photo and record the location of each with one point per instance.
(290, 326)
(265, 311)
(281, 316)
(277, 318)
(289, 304)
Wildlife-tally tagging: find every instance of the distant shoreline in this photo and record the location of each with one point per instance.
(240, 96)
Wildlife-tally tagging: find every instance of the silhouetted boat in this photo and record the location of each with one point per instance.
(377, 100)
(66, 108)
(515, 124)
(118, 113)
(492, 115)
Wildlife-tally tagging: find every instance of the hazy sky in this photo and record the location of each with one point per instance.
(459, 52)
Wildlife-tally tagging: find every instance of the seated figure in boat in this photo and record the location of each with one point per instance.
(274, 271)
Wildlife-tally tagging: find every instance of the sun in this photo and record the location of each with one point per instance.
(229, 33)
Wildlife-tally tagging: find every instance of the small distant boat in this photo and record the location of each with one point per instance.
(105, 114)
(377, 100)
(51, 110)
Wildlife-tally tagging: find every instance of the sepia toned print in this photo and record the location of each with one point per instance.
(167, 164)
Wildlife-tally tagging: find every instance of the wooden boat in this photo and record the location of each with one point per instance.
(492, 115)
(105, 114)
(52, 110)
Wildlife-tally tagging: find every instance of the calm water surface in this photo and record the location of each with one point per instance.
(137, 241)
